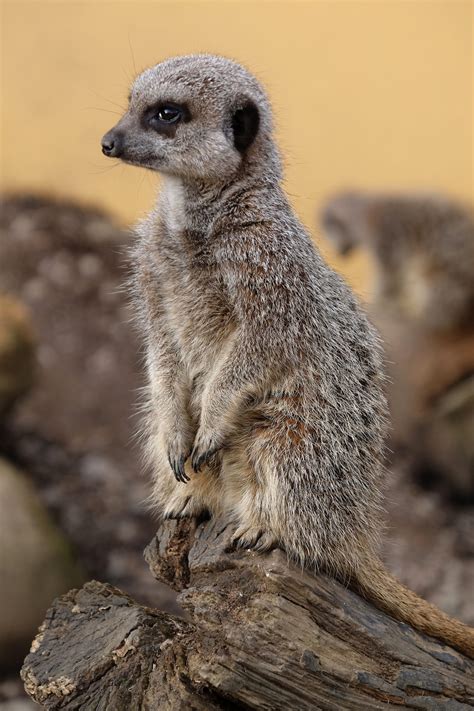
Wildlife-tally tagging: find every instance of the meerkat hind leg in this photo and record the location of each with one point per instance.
(253, 538)
(191, 498)
(244, 499)
(186, 508)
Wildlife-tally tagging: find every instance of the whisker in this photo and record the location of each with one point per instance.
(98, 108)
(99, 170)
(109, 101)
(131, 52)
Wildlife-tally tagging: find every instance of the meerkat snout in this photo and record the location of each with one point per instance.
(188, 118)
(112, 144)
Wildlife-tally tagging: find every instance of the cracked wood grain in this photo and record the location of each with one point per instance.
(260, 633)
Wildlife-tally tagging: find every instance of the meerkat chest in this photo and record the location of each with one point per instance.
(200, 323)
(172, 202)
(196, 307)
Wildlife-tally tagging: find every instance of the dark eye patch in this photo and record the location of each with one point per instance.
(164, 117)
(333, 223)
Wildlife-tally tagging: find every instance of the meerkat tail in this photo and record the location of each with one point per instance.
(378, 586)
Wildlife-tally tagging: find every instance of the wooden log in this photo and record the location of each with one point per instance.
(260, 633)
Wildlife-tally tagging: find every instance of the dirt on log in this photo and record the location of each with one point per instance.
(259, 634)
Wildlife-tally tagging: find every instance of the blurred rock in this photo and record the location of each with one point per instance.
(35, 564)
(13, 696)
(17, 359)
(65, 262)
(449, 438)
(74, 433)
(18, 705)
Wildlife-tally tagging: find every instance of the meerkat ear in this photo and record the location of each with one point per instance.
(245, 123)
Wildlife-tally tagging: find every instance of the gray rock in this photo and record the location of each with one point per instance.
(18, 705)
(35, 564)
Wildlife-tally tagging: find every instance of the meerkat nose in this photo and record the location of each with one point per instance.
(112, 144)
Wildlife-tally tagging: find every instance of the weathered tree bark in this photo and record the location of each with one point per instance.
(259, 634)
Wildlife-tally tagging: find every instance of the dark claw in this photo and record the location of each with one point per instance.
(184, 476)
(245, 543)
(234, 545)
(194, 461)
(178, 468)
(198, 461)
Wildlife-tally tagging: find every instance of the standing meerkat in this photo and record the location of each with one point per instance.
(265, 385)
(423, 247)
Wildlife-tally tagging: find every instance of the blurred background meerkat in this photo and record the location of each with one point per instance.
(422, 248)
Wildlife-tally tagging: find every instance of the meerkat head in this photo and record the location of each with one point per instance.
(196, 117)
(342, 220)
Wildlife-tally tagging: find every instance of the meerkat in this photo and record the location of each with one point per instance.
(423, 248)
(265, 383)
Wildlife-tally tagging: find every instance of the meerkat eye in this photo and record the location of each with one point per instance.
(167, 114)
(165, 117)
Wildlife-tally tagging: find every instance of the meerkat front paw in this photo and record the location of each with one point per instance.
(177, 463)
(179, 451)
(205, 446)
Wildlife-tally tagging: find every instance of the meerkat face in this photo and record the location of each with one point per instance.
(340, 220)
(196, 117)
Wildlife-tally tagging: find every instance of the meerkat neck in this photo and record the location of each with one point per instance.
(186, 205)
(193, 205)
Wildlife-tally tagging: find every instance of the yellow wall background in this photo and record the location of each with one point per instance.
(366, 93)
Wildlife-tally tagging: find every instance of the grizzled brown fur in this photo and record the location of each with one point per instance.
(265, 386)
